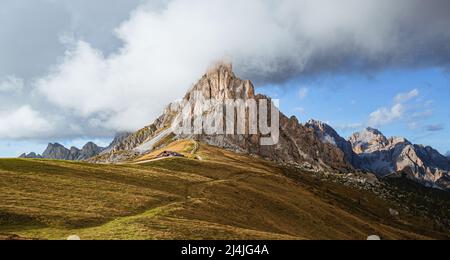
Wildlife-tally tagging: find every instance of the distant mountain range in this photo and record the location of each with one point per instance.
(314, 145)
(371, 151)
(59, 152)
(56, 151)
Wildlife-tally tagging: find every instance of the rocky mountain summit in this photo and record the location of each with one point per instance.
(328, 135)
(31, 155)
(314, 145)
(397, 156)
(371, 151)
(57, 151)
(119, 138)
(297, 144)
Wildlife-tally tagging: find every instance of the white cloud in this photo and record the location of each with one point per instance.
(387, 115)
(98, 89)
(163, 54)
(11, 84)
(405, 97)
(303, 92)
(166, 50)
(23, 123)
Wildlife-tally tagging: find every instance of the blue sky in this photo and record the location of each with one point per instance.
(14, 148)
(76, 71)
(347, 101)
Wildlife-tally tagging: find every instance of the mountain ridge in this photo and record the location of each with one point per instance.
(56, 151)
(315, 146)
(396, 156)
(297, 145)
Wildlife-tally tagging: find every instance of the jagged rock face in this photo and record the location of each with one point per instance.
(73, 155)
(303, 142)
(59, 152)
(328, 135)
(126, 146)
(56, 152)
(396, 156)
(431, 156)
(31, 155)
(220, 83)
(119, 138)
(298, 144)
(368, 140)
(314, 143)
(88, 151)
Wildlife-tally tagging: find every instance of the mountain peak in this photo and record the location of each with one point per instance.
(373, 131)
(368, 140)
(74, 149)
(31, 155)
(54, 145)
(220, 83)
(327, 134)
(220, 67)
(323, 130)
(319, 124)
(56, 151)
(90, 145)
(369, 134)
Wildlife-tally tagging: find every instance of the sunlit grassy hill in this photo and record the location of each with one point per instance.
(209, 194)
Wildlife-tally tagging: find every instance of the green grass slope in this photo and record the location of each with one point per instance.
(222, 196)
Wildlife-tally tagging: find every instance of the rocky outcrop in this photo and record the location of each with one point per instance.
(396, 156)
(31, 155)
(328, 135)
(368, 140)
(314, 144)
(370, 151)
(297, 144)
(57, 151)
(89, 150)
(129, 146)
(119, 138)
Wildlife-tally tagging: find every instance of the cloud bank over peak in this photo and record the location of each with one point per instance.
(165, 49)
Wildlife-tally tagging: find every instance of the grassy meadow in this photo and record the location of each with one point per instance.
(214, 194)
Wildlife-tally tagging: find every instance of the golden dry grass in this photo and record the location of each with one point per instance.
(184, 147)
(223, 196)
